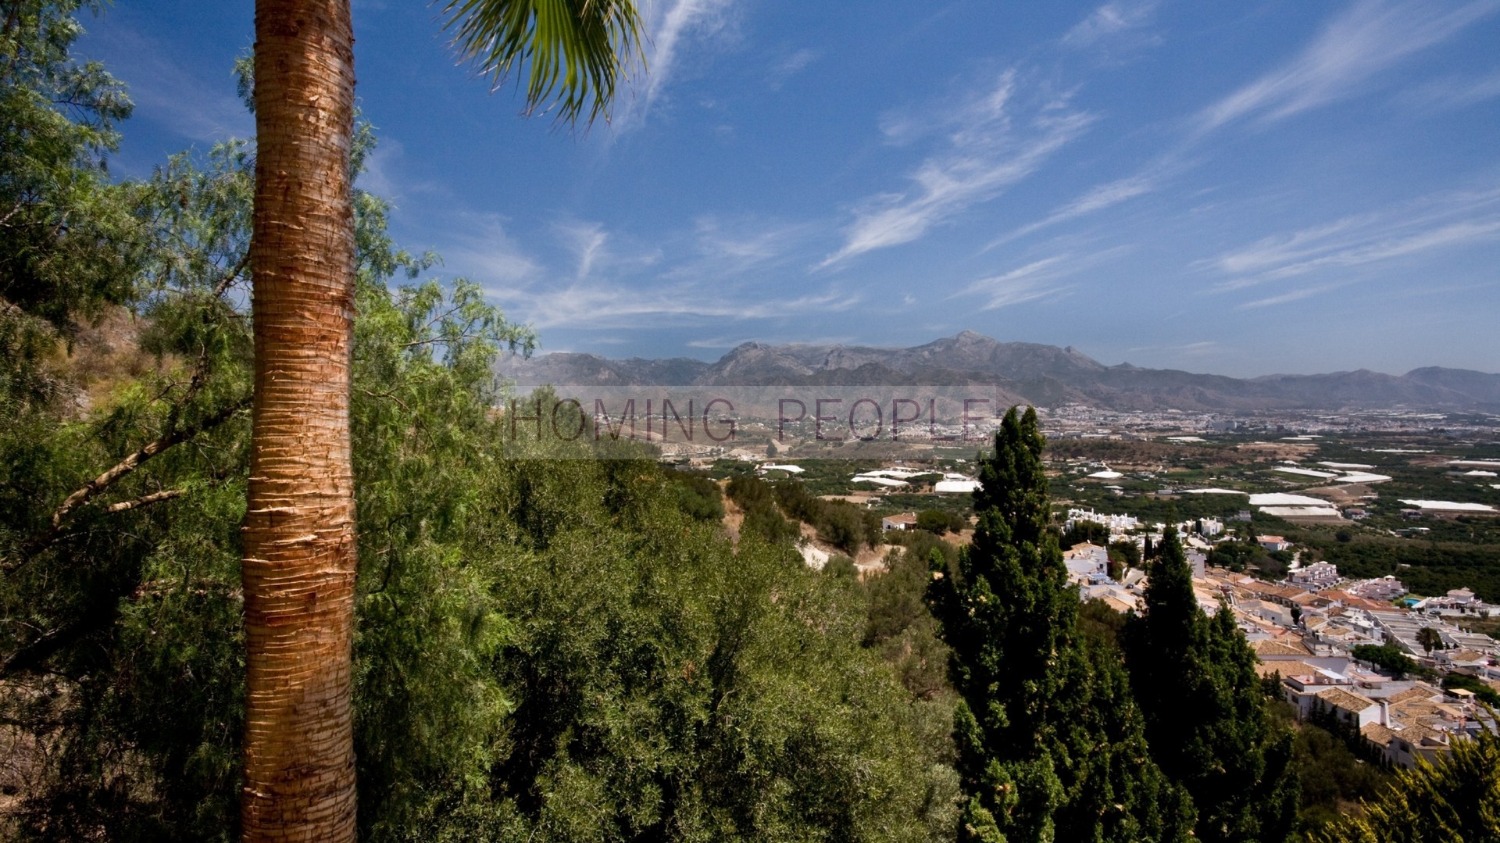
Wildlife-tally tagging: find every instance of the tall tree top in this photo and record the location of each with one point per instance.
(1012, 482)
(1171, 607)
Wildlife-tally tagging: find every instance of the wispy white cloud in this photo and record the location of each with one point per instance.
(719, 342)
(1370, 37)
(1037, 280)
(580, 273)
(954, 120)
(1396, 246)
(1102, 197)
(386, 175)
(776, 339)
(584, 305)
(671, 25)
(985, 149)
(478, 246)
(1292, 295)
(790, 66)
(204, 110)
(1202, 348)
(1453, 92)
(1110, 20)
(587, 242)
(377, 176)
(1441, 221)
(1028, 283)
(733, 246)
(1040, 279)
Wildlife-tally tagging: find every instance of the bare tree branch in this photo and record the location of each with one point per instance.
(121, 469)
(145, 500)
(234, 272)
(87, 492)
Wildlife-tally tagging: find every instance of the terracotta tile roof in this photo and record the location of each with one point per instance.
(1428, 738)
(1285, 668)
(1346, 700)
(1280, 648)
(1410, 694)
(1415, 709)
(1377, 734)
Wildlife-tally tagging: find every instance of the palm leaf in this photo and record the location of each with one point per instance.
(576, 49)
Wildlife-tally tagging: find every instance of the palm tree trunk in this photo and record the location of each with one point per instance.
(299, 528)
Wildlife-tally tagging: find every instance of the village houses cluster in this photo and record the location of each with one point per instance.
(1304, 631)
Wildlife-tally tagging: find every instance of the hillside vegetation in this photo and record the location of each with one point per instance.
(556, 641)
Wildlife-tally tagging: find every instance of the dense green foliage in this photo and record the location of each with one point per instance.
(121, 461)
(698, 495)
(1050, 743)
(940, 522)
(1427, 566)
(1205, 712)
(1485, 692)
(1456, 799)
(1093, 532)
(757, 501)
(1335, 767)
(556, 641)
(666, 688)
(68, 242)
(553, 642)
(1387, 657)
(1240, 556)
(840, 523)
(898, 624)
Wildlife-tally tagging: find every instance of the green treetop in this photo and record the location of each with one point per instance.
(65, 232)
(1205, 713)
(1050, 745)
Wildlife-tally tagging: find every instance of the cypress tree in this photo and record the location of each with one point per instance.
(1205, 713)
(1050, 744)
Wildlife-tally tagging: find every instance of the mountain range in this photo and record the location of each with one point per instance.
(1031, 373)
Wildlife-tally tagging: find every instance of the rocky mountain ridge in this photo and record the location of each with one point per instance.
(1033, 373)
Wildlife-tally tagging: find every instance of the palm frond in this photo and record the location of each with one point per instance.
(576, 49)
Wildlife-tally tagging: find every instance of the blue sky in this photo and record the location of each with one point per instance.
(1233, 188)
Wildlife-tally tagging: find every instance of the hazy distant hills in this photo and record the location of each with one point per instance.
(1044, 375)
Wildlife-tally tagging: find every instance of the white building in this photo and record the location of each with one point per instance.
(1318, 575)
(1117, 524)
